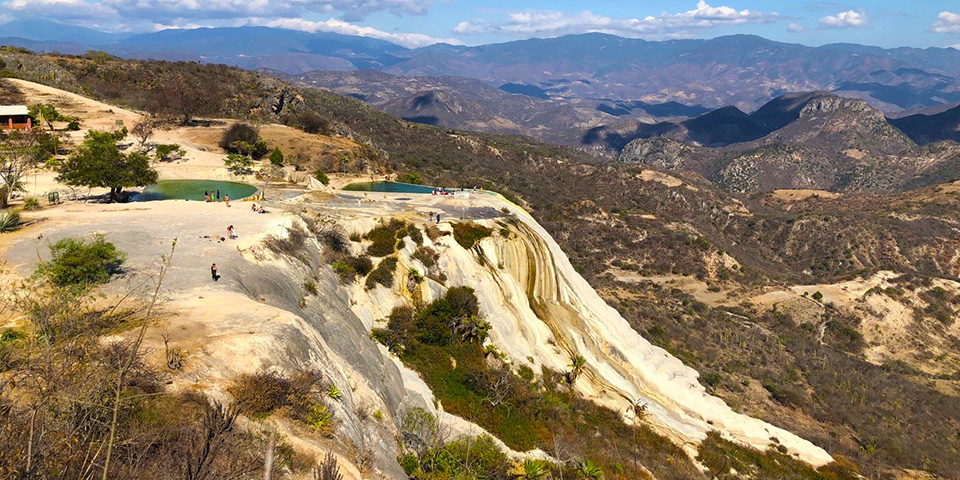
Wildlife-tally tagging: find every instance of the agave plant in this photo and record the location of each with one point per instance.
(587, 470)
(532, 469)
(9, 221)
(334, 392)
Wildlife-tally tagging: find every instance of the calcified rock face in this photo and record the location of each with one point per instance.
(543, 312)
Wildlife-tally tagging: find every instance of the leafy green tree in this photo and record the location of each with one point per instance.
(321, 176)
(47, 114)
(167, 152)
(276, 157)
(238, 164)
(98, 162)
(77, 263)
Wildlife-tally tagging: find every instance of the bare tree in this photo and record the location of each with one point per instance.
(142, 131)
(20, 152)
(329, 469)
(217, 424)
(270, 173)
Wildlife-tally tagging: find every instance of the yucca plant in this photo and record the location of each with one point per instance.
(31, 203)
(9, 221)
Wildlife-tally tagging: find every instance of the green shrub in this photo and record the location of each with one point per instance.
(321, 176)
(9, 221)
(383, 274)
(31, 203)
(335, 239)
(415, 234)
(276, 157)
(344, 271)
(310, 286)
(362, 264)
(77, 263)
(817, 296)
(73, 126)
(469, 234)
(260, 393)
(385, 238)
(238, 164)
(243, 139)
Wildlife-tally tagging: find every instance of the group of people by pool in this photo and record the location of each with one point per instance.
(214, 196)
(444, 191)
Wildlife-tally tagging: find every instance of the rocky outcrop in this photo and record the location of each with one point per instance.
(659, 152)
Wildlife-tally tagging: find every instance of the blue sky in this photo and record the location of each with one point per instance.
(885, 23)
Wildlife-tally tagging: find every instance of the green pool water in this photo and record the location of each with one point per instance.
(193, 190)
(388, 187)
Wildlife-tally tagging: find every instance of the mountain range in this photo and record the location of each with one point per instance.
(741, 70)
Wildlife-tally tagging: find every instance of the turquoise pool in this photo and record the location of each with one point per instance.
(388, 187)
(193, 190)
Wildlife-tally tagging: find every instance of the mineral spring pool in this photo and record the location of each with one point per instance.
(397, 187)
(193, 190)
(388, 187)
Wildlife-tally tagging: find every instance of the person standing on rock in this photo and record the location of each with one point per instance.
(213, 272)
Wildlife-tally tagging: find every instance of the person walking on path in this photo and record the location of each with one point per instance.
(218, 194)
(213, 272)
(232, 232)
(226, 198)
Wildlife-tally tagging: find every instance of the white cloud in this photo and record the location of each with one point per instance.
(159, 10)
(947, 22)
(665, 25)
(182, 11)
(796, 28)
(338, 26)
(64, 9)
(848, 19)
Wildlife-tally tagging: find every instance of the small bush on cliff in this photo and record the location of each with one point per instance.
(321, 176)
(292, 245)
(469, 234)
(383, 274)
(385, 238)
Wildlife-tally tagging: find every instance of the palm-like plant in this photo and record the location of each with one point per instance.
(587, 470)
(577, 364)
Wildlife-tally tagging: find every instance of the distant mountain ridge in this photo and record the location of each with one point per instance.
(741, 70)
